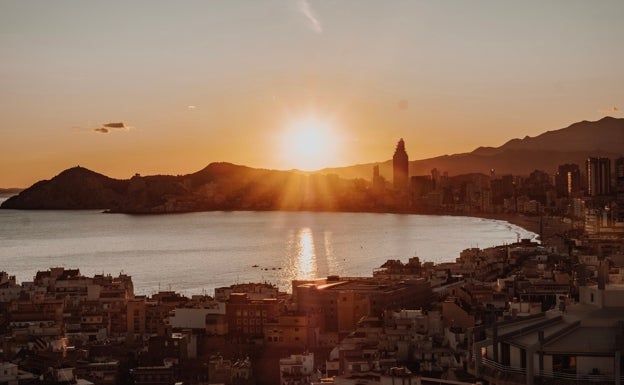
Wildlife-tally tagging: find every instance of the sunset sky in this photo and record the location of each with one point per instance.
(167, 87)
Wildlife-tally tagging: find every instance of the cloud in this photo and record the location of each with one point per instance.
(191, 107)
(315, 23)
(612, 110)
(107, 128)
(116, 125)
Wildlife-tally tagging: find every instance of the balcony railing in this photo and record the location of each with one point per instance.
(568, 377)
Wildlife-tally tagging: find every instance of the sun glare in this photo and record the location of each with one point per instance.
(308, 144)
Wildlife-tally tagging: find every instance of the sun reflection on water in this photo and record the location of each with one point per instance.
(306, 255)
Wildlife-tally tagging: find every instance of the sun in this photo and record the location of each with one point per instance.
(308, 144)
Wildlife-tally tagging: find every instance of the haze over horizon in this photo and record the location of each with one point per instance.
(160, 87)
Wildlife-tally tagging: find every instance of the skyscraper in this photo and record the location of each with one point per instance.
(598, 176)
(400, 165)
(619, 175)
(568, 180)
(619, 188)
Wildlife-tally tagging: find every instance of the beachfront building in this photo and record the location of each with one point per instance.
(574, 343)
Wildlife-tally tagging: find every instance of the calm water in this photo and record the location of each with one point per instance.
(196, 252)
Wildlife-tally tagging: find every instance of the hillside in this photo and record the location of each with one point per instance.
(225, 186)
(74, 188)
(219, 186)
(546, 152)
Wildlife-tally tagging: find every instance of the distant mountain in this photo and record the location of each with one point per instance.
(75, 188)
(225, 186)
(219, 186)
(545, 152)
(7, 192)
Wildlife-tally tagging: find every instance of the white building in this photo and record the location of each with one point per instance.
(298, 369)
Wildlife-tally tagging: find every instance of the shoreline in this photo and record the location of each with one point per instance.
(531, 224)
(550, 226)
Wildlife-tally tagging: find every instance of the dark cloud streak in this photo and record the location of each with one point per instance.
(107, 128)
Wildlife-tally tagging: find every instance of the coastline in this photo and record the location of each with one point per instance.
(549, 226)
(531, 224)
(545, 226)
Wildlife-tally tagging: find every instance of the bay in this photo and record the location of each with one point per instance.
(194, 253)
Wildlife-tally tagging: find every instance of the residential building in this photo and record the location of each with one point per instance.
(598, 171)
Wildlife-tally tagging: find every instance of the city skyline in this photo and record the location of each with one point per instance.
(164, 88)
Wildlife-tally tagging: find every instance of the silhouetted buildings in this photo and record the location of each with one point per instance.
(420, 186)
(400, 167)
(619, 176)
(379, 183)
(598, 176)
(568, 180)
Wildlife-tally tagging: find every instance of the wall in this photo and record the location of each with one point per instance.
(585, 365)
(515, 357)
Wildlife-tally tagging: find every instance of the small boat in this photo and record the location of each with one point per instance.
(254, 265)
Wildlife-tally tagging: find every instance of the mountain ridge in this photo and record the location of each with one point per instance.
(571, 144)
(226, 186)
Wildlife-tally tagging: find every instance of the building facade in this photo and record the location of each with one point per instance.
(400, 167)
(598, 176)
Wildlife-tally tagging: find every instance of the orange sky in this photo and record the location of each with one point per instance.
(198, 82)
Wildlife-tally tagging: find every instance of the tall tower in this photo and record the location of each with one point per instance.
(598, 176)
(619, 176)
(400, 166)
(568, 180)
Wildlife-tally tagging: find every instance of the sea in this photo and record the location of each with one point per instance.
(193, 253)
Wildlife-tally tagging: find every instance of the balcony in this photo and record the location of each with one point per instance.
(494, 370)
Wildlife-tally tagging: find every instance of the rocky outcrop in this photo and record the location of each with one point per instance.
(74, 188)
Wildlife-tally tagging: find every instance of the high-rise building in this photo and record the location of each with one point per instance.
(435, 178)
(568, 180)
(379, 183)
(619, 175)
(619, 188)
(400, 165)
(598, 176)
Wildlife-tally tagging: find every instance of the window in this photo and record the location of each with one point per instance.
(564, 363)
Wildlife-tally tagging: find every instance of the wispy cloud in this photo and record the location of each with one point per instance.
(308, 12)
(107, 128)
(612, 110)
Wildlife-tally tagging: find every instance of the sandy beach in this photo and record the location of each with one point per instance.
(550, 225)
